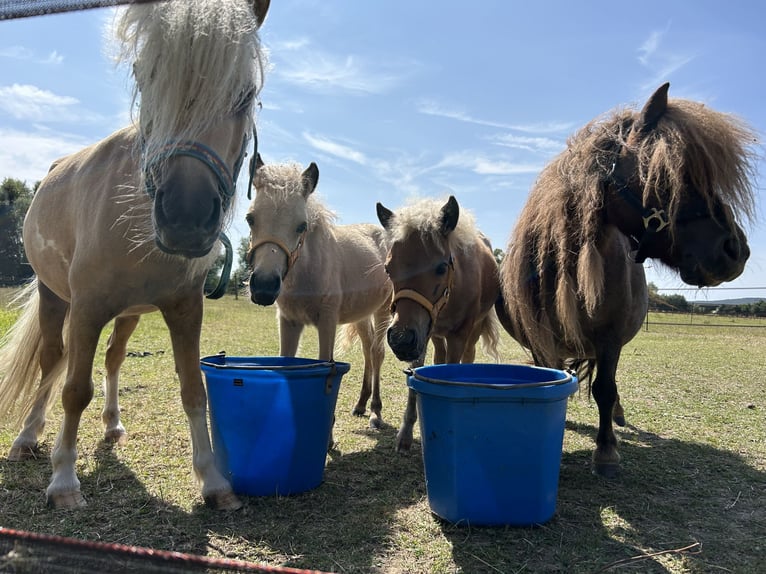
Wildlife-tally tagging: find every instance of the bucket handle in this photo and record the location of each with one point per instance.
(330, 378)
(331, 364)
(411, 373)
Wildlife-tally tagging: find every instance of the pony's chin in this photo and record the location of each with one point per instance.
(406, 355)
(264, 300)
(188, 253)
(700, 278)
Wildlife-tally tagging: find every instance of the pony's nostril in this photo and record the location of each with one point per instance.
(731, 248)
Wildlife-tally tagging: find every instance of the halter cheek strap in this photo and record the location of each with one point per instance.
(433, 308)
(292, 256)
(654, 220)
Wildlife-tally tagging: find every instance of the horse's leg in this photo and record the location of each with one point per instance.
(440, 350)
(326, 328)
(364, 331)
(289, 336)
(85, 325)
(378, 355)
(469, 351)
(51, 316)
(404, 436)
(606, 459)
(115, 356)
(618, 413)
(184, 320)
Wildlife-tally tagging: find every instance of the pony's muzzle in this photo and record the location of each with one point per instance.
(264, 289)
(404, 342)
(183, 227)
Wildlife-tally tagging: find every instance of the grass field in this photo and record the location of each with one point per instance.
(691, 496)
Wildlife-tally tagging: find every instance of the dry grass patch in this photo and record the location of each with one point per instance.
(694, 470)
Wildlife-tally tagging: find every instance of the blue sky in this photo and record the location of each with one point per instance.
(419, 98)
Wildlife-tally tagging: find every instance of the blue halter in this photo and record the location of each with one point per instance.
(227, 186)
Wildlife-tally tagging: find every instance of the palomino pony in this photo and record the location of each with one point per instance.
(318, 273)
(130, 225)
(445, 287)
(667, 183)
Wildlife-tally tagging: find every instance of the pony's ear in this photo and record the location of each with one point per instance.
(260, 7)
(385, 215)
(653, 110)
(310, 179)
(256, 163)
(450, 214)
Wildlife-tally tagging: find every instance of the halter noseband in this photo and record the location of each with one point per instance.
(292, 256)
(227, 181)
(433, 308)
(227, 187)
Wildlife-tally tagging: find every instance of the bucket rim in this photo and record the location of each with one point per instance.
(568, 377)
(332, 365)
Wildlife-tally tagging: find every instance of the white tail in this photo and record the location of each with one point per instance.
(20, 360)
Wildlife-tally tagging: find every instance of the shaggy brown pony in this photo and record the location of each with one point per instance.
(667, 182)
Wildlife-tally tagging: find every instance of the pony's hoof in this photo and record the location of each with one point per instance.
(357, 412)
(403, 444)
(376, 423)
(116, 436)
(608, 470)
(20, 453)
(619, 420)
(226, 500)
(66, 500)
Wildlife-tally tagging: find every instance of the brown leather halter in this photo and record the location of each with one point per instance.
(432, 308)
(292, 256)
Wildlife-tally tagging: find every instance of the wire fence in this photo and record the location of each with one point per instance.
(12, 9)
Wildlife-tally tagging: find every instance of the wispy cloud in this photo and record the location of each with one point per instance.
(527, 143)
(321, 71)
(432, 108)
(335, 149)
(28, 155)
(27, 102)
(650, 45)
(661, 60)
(25, 54)
(483, 165)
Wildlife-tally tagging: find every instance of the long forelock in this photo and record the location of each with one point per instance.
(424, 217)
(713, 150)
(194, 62)
(278, 183)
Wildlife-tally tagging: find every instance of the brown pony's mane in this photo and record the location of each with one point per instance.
(279, 182)
(560, 227)
(423, 216)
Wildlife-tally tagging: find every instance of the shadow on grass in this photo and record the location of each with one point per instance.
(670, 495)
(342, 525)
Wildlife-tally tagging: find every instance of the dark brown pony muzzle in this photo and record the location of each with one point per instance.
(409, 331)
(711, 254)
(405, 342)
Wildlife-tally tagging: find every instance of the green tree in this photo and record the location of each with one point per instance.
(15, 197)
(499, 255)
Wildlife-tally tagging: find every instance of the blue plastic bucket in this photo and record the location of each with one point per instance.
(492, 438)
(270, 420)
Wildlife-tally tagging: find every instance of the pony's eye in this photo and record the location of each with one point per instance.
(441, 268)
(385, 268)
(302, 227)
(250, 219)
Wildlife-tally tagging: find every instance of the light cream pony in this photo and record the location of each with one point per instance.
(131, 224)
(317, 272)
